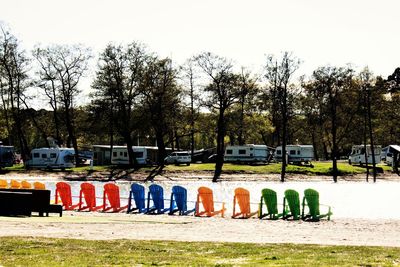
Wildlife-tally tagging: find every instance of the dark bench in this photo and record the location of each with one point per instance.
(15, 203)
(40, 201)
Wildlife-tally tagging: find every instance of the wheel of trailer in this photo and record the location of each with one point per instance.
(188, 164)
(176, 163)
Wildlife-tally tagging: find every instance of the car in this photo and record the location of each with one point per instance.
(181, 157)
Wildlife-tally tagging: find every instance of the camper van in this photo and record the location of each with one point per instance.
(357, 155)
(51, 158)
(144, 155)
(388, 153)
(247, 153)
(6, 156)
(296, 154)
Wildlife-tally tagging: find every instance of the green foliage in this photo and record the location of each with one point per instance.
(19, 251)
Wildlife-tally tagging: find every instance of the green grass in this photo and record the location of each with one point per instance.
(318, 168)
(21, 251)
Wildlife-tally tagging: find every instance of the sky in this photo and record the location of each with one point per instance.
(319, 32)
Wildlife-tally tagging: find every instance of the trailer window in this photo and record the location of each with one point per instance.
(36, 155)
(242, 151)
(138, 155)
(278, 152)
(298, 152)
(44, 156)
(114, 154)
(292, 152)
(229, 151)
(121, 153)
(53, 155)
(125, 154)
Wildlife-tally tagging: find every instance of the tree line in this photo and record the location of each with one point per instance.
(138, 97)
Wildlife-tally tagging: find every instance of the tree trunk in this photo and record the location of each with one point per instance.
(334, 144)
(371, 137)
(162, 153)
(220, 146)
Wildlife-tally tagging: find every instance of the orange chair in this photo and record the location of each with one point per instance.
(39, 186)
(26, 185)
(205, 196)
(63, 191)
(242, 199)
(3, 183)
(14, 184)
(87, 196)
(111, 192)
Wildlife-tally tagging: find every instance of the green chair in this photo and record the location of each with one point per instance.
(268, 196)
(311, 200)
(291, 205)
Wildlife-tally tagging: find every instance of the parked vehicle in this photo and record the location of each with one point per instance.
(178, 157)
(51, 158)
(6, 156)
(296, 154)
(143, 154)
(247, 154)
(388, 153)
(357, 155)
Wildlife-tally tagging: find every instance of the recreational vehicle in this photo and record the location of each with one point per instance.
(144, 155)
(388, 153)
(51, 158)
(296, 154)
(357, 155)
(247, 153)
(6, 156)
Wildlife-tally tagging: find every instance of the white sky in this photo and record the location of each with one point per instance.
(320, 32)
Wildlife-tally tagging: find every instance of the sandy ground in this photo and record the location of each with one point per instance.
(105, 226)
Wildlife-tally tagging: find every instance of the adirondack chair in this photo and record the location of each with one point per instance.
(14, 184)
(178, 201)
(291, 205)
(205, 197)
(111, 193)
(26, 185)
(242, 199)
(137, 194)
(63, 191)
(39, 185)
(3, 183)
(311, 200)
(156, 195)
(87, 195)
(269, 198)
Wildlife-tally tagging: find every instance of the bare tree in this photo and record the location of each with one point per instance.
(279, 73)
(223, 91)
(13, 82)
(62, 67)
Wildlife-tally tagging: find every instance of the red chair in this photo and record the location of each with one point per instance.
(63, 191)
(87, 196)
(111, 193)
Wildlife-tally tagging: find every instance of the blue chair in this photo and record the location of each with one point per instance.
(179, 201)
(137, 194)
(156, 194)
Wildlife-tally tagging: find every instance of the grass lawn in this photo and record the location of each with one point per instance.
(20, 251)
(318, 168)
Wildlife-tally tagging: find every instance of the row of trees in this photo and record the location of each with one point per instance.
(139, 97)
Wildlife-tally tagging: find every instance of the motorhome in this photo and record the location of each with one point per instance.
(296, 154)
(247, 153)
(388, 153)
(6, 156)
(51, 158)
(144, 155)
(357, 155)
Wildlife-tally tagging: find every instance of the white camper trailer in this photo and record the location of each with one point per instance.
(357, 155)
(296, 153)
(247, 153)
(143, 154)
(388, 153)
(51, 158)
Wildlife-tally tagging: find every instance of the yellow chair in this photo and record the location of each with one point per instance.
(26, 185)
(3, 183)
(39, 185)
(14, 184)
